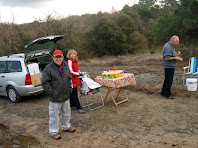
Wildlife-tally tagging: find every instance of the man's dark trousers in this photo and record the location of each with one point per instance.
(169, 73)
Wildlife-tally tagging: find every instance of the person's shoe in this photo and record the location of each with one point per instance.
(170, 97)
(81, 111)
(70, 129)
(56, 137)
(163, 95)
(73, 108)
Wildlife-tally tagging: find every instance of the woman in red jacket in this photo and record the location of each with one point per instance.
(75, 72)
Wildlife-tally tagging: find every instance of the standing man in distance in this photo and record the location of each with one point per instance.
(170, 58)
(56, 82)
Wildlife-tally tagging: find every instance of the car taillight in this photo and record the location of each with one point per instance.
(28, 79)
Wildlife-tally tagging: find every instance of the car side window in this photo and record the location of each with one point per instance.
(2, 66)
(14, 66)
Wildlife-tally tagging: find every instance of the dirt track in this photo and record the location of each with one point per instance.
(146, 120)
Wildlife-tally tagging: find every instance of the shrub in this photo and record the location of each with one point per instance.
(138, 43)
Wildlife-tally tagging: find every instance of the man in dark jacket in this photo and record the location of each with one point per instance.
(56, 82)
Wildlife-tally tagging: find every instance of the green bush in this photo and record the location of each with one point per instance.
(138, 43)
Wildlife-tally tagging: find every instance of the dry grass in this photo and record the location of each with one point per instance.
(124, 60)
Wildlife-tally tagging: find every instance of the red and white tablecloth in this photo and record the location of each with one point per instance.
(127, 79)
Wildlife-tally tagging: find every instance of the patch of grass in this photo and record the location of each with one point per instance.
(27, 140)
(9, 138)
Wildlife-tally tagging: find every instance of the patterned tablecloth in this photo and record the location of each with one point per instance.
(127, 79)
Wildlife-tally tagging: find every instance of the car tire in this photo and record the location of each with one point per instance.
(13, 95)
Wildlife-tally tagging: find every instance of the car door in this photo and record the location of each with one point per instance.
(3, 77)
(15, 74)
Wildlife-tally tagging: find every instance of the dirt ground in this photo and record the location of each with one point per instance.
(147, 120)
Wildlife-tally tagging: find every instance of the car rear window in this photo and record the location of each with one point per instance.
(14, 66)
(2, 66)
(40, 46)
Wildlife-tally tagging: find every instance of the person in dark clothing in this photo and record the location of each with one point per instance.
(170, 57)
(56, 82)
(76, 74)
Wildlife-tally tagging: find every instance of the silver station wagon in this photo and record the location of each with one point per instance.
(15, 79)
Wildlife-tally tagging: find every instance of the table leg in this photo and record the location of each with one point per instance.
(125, 93)
(118, 93)
(127, 99)
(114, 99)
(108, 88)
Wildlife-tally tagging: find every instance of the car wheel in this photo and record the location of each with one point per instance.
(13, 95)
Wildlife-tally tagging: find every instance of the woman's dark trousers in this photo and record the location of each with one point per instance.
(74, 99)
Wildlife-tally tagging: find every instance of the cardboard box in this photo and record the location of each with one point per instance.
(33, 68)
(34, 73)
(35, 79)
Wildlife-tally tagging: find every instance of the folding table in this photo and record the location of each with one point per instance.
(117, 83)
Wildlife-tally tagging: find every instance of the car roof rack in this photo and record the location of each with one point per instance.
(18, 55)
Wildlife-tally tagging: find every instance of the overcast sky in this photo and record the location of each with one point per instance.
(24, 11)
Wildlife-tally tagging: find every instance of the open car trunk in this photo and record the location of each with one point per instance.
(39, 52)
